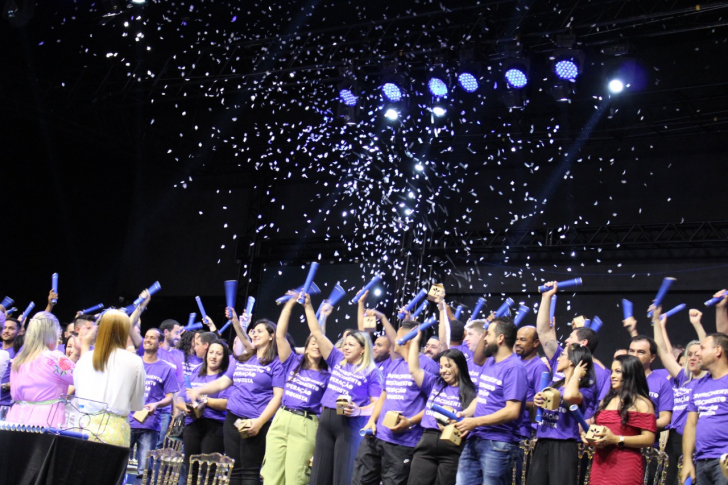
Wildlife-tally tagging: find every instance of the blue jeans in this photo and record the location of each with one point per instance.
(145, 439)
(708, 471)
(486, 461)
(165, 417)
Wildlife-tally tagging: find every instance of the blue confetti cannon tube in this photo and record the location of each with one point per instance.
(710, 302)
(552, 308)
(420, 309)
(587, 323)
(224, 327)
(664, 287)
(188, 384)
(54, 285)
(445, 412)
(596, 323)
(579, 417)
(129, 310)
(231, 289)
(337, 293)
(478, 306)
(250, 305)
(366, 432)
(313, 290)
(688, 481)
(92, 309)
(191, 319)
(420, 328)
(68, 434)
(7, 302)
(543, 384)
(503, 309)
(458, 312)
(309, 279)
(193, 327)
(523, 310)
(414, 301)
(369, 286)
(627, 309)
(561, 285)
(202, 308)
(152, 290)
(27, 311)
(673, 311)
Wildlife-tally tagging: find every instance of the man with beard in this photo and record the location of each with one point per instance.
(432, 347)
(526, 348)
(493, 419)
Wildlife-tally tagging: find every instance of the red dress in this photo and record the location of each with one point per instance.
(623, 466)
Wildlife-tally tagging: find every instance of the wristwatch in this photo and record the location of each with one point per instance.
(621, 442)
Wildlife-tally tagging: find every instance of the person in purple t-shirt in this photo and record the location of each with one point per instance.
(354, 377)
(526, 348)
(292, 436)
(492, 420)
(555, 457)
(386, 456)
(661, 393)
(161, 384)
(706, 429)
(435, 461)
(204, 434)
(258, 381)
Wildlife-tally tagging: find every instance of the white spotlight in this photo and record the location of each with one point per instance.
(439, 111)
(377, 292)
(391, 114)
(616, 86)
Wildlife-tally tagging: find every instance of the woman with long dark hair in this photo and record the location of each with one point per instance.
(555, 458)
(435, 460)
(629, 417)
(292, 435)
(204, 434)
(258, 381)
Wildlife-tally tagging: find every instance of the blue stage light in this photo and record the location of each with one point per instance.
(566, 70)
(392, 92)
(437, 87)
(347, 97)
(516, 78)
(468, 82)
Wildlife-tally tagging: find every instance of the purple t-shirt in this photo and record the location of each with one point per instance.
(173, 357)
(474, 371)
(682, 392)
(561, 424)
(304, 390)
(382, 365)
(345, 380)
(404, 396)
(190, 366)
(661, 393)
(198, 381)
(498, 383)
(5, 398)
(253, 386)
(439, 394)
(159, 382)
(534, 368)
(710, 400)
(465, 350)
(603, 385)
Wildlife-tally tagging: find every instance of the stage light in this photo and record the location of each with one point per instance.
(391, 114)
(566, 69)
(468, 82)
(439, 111)
(616, 86)
(138, 2)
(347, 97)
(377, 292)
(392, 92)
(516, 77)
(437, 87)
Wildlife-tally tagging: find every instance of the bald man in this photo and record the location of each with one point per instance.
(526, 348)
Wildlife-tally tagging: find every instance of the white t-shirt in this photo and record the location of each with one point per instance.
(120, 386)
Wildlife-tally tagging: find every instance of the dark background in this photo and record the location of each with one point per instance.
(91, 191)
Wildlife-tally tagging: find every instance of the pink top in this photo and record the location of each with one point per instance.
(45, 378)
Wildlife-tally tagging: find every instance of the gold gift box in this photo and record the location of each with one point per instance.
(243, 426)
(370, 322)
(342, 402)
(594, 430)
(724, 465)
(197, 409)
(551, 398)
(391, 418)
(141, 416)
(436, 293)
(450, 433)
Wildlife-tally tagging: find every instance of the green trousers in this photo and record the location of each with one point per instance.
(288, 449)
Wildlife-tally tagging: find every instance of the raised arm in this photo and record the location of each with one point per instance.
(284, 348)
(545, 327)
(630, 324)
(242, 336)
(325, 345)
(443, 331)
(52, 295)
(413, 360)
(134, 333)
(360, 309)
(479, 354)
(663, 347)
(695, 319)
(572, 393)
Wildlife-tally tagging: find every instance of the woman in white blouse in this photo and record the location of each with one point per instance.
(112, 375)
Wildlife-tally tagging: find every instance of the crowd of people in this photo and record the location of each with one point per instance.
(378, 407)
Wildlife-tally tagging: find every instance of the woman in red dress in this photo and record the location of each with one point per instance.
(629, 417)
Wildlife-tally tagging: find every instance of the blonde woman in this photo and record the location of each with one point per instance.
(40, 375)
(354, 375)
(111, 375)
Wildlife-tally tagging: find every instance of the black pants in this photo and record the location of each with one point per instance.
(435, 461)
(202, 435)
(337, 441)
(379, 461)
(248, 453)
(554, 462)
(673, 448)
